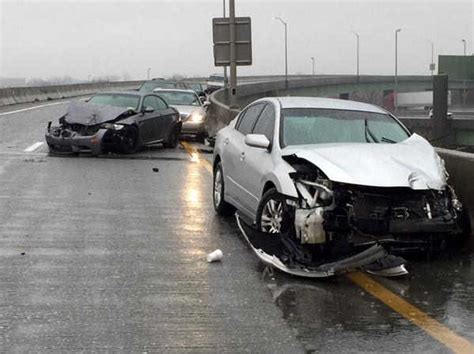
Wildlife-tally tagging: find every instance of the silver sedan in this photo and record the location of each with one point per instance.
(331, 174)
(192, 110)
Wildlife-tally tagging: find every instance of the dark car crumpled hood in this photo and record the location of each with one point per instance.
(86, 113)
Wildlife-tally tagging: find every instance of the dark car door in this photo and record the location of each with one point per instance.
(167, 121)
(148, 120)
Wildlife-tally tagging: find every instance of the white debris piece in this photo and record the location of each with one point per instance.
(215, 256)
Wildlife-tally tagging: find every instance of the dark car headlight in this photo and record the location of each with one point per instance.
(112, 126)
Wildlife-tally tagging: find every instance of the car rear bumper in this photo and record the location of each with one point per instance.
(67, 141)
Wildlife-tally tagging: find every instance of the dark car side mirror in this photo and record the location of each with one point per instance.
(148, 109)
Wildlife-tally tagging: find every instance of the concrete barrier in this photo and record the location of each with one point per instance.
(220, 111)
(460, 166)
(365, 89)
(219, 114)
(14, 95)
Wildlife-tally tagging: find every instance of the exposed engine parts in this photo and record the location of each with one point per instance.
(327, 211)
(309, 225)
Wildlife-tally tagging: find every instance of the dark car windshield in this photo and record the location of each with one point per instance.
(150, 86)
(320, 126)
(117, 100)
(180, 98)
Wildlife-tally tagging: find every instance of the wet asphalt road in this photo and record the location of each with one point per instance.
(104, 254)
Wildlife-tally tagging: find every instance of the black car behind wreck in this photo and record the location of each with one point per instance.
(115, 122)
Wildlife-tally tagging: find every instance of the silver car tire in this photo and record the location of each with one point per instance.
(273, 214)
(220, 205)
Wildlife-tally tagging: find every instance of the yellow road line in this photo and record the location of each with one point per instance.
(434, 328)
(196, 156)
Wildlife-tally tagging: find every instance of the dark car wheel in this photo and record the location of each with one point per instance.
(273, 214)
(129, 143)
(220, 205)
(172, 140)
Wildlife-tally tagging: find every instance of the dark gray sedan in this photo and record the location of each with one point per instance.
(117, 122)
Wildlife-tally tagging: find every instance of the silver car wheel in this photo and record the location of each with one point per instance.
(272, 216)
(218, 188)
(218, 193)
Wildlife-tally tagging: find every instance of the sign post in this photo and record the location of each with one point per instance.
(233, 64)
(232, 45)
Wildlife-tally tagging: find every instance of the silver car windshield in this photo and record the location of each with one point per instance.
(179, 98)
(125, 101)
(321, 126)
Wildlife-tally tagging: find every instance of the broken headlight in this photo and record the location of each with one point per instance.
(112, 126)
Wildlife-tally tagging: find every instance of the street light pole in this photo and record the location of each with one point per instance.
(148, 73)
(432, 57)
(432, 66)
(286, 50)
(357, 36)
(464, 83)
(312, 59)
(396, 69)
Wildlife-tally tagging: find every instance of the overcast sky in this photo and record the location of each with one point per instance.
(83, 39)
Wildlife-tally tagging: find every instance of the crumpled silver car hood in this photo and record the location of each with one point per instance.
(87, 113)
(411, 163)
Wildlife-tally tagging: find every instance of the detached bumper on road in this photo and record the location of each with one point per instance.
(67, 141)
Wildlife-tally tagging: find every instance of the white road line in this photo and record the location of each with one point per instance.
(31, 108)
(33, 147)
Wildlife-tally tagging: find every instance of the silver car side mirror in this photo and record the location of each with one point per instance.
(149, 109)
(257, 140)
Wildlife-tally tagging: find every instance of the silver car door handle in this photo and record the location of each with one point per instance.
(242, 156)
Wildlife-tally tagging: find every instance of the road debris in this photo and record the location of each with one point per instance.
(215, 256)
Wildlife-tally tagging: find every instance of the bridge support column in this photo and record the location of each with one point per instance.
(442, 133)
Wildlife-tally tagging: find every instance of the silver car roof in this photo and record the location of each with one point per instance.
(327, 103)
